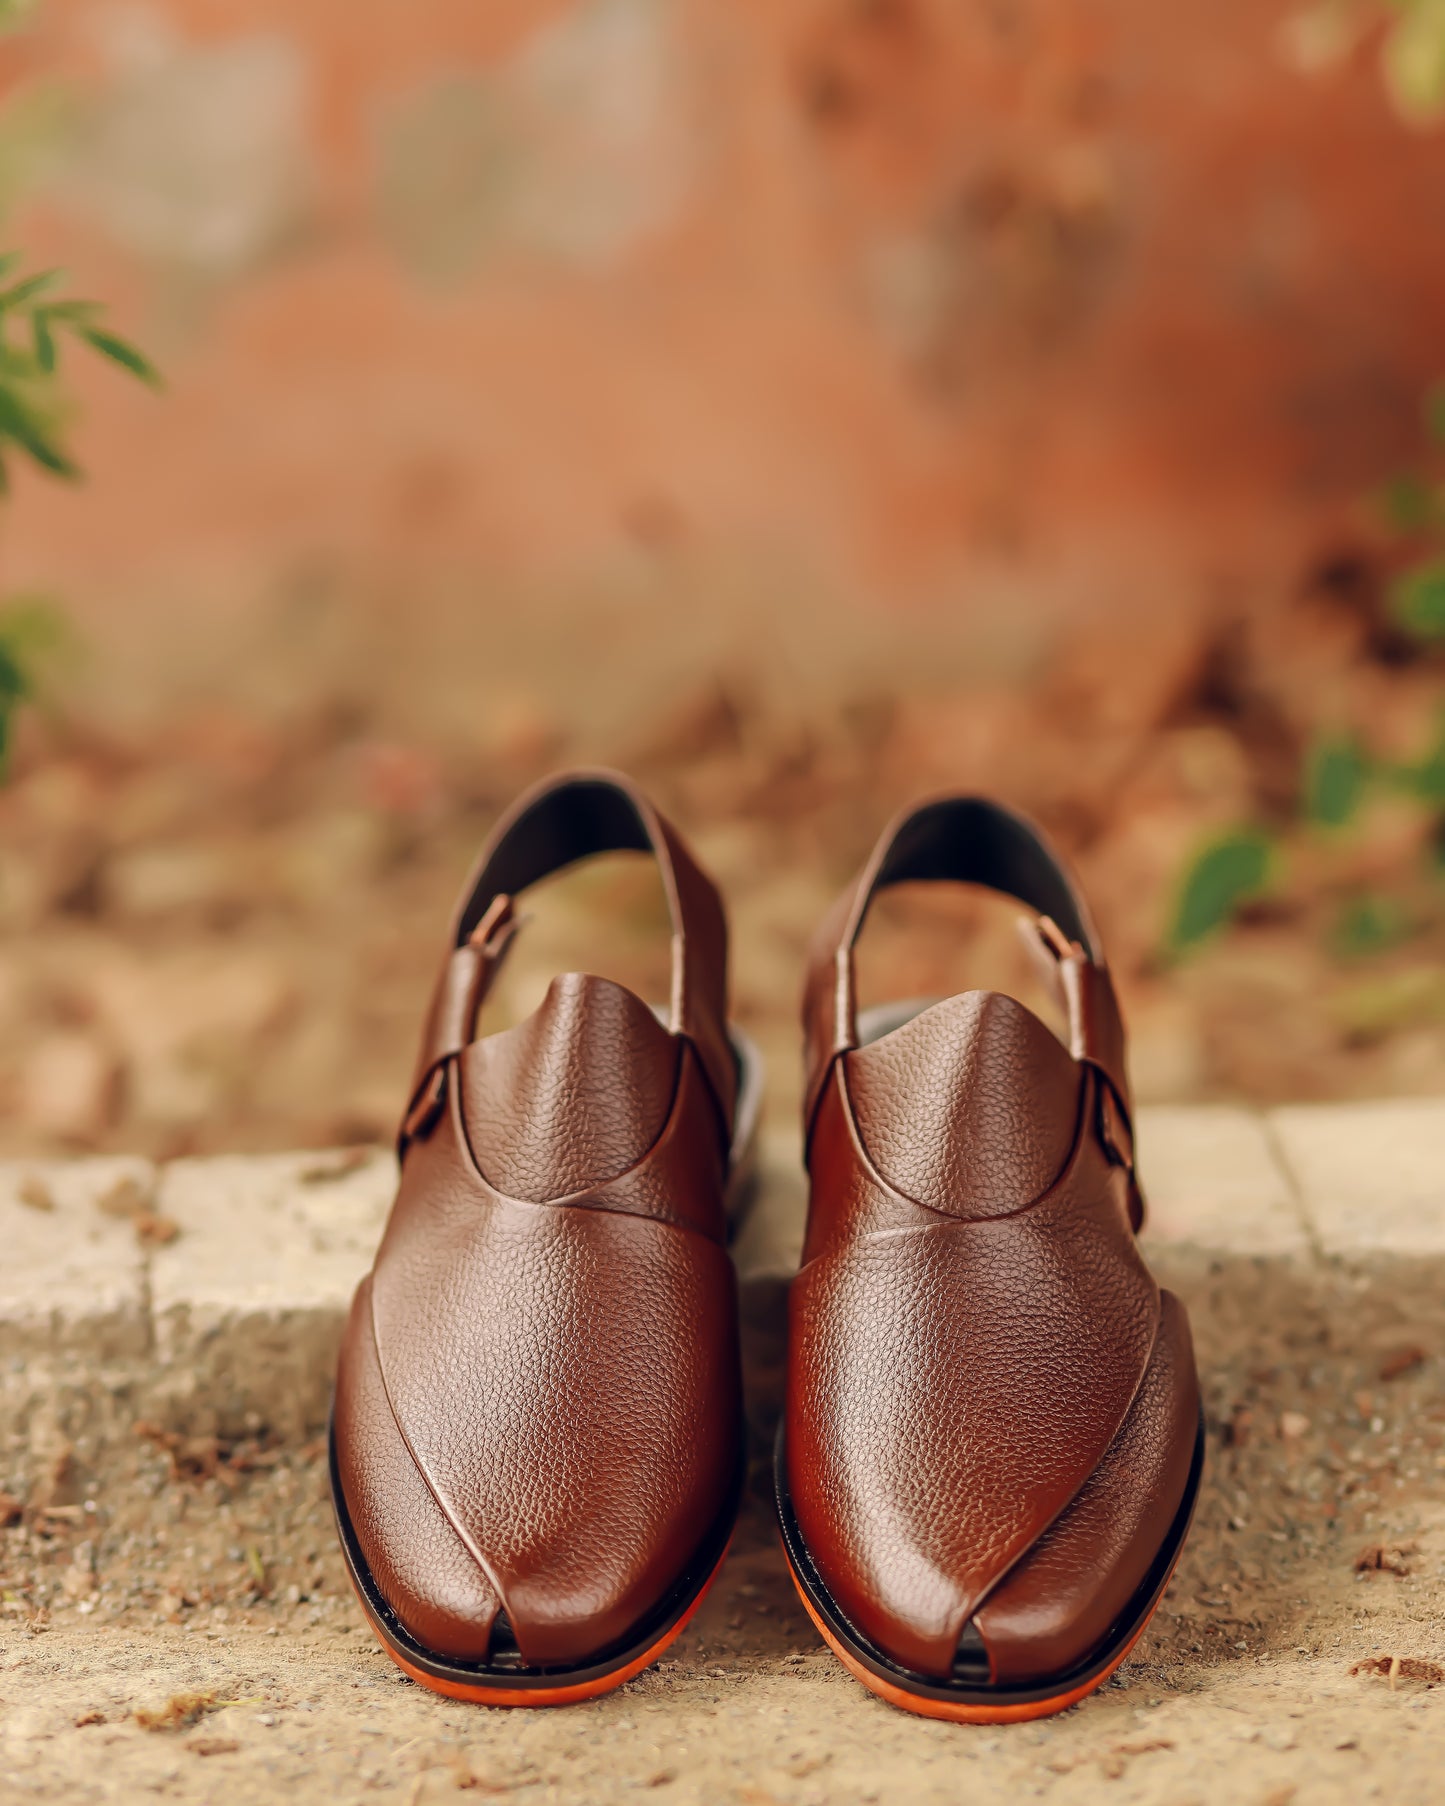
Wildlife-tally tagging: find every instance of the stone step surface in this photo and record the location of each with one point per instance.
(232, 1275)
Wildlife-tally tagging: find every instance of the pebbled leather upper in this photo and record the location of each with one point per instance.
(546, 1114)
(991, 1408)
(538, 1404)
(971, 1108)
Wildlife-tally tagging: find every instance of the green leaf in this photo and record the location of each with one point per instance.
(1435, 849)
(19, 424)
(1226, 872)
(13, 681)
(1336, 770)
(1424, 778)
(1370, 923)
(1417, 600)
(16, 363)
(71, 309)
(1435, 412)
(14, 690)
(44, 341)
(24, 291)
(1409, 503)
(122, 352)
(34, 627)
(1413, 58)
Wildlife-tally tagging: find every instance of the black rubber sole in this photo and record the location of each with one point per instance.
(513, 1680)
(965, 1693)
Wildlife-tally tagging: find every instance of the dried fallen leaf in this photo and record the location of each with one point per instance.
(85, 1718)
(125, 1198)
(1403, 1360)
(804, 1766)
(34, 1193)
(153, 1230)
(180, 1710)
(192, 1457)
(335, 1166)
(1385, 1558)
(1404, 1668)
(132, 1201)
(1236, 1431)
(213, 1746)
(58, 1470)
(1114, 1761)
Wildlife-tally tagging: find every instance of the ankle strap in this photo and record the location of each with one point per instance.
(971, 840)
(555, 824)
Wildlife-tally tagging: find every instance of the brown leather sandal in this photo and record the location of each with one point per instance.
(537, 1442)
(992, 1439)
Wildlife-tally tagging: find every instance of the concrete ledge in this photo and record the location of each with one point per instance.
(1372, 1175)
(248, 1301)
(234, 1321)
(73, 1273)
(1213, 1180)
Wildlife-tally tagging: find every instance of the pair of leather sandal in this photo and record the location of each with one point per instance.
(991, 1443)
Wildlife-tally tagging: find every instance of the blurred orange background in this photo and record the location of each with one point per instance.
(803, 404)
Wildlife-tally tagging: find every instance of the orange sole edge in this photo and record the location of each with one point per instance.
(546, 1696)
(960, 1713)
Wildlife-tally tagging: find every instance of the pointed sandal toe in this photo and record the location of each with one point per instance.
(536, 1442)
(991, 1443)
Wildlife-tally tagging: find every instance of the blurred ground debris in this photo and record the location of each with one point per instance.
(221, 932)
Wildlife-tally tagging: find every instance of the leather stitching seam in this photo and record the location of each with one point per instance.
(466, 1540)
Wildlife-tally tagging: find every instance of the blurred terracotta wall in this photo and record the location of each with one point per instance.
(902, 298)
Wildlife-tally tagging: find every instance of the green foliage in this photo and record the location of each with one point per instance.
(1410, 504)
(1411, 36)
(1336, 771)
(1417, 599)
(1227, 871)
(1435, 413)
(31, 630)
(1424, 778)
(37, 324)
(1339, 774)
(1414, 506)
(1413, 60)
(1369, 923)
(1338, 778)
(34, 325)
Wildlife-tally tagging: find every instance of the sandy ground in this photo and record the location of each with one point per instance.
(202, 1584)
